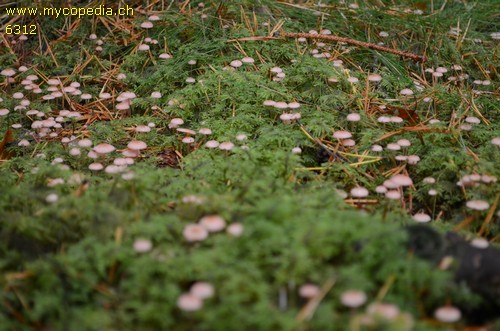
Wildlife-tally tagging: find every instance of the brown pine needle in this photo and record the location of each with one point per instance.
(282, 34)
(484, 227)
(414, 57)
(307, 312)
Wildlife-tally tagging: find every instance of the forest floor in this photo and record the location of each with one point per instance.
(250, 165)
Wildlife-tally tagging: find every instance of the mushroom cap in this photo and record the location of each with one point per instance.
(53, 81)
(479, 243)
(8, 72)
(406, 91)
(353, 298)
(421, 218)
(188, 140)
(194, 232)
(142, 128)
(147, 25)
(280, 105)
(165, 56)
(286, 117)
(384, 119)
(359, 192)
(114, 169)
(212, 144)
(124, 105)
(393, 195)
(348, 142)
(386, 310)
(472, 119)
(447, 314)
(247, 59)
(236, 63)
(341, 134)
(155, 95)
(396, 119)
(477, 204)
(353, 117)
(189, 302)
(401, 180)
(143, 47)
(104, 148)
(429, 180)
(213, 223)
(393, 147)
(142, 245)
(404, 142)
(374, 77)
(175, 122)
(186, 131)
(308, 290)
(130, 153)
(241, 137)
(226, 146)
(235, 229)
(205, 131)
(96, 166)
(137, 145)
(202, 290)
(69, 89)
(413, 159)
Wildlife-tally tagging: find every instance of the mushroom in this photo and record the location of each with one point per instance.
(202, 290)
(189, 302)
(213, 223)
(447, 314)
(103, 148)
(194, 232)
(353, 298)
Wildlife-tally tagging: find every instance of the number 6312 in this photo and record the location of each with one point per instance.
(20, 29)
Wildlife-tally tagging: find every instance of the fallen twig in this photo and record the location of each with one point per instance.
(414, 57)
(316, 140)
(307, 312)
